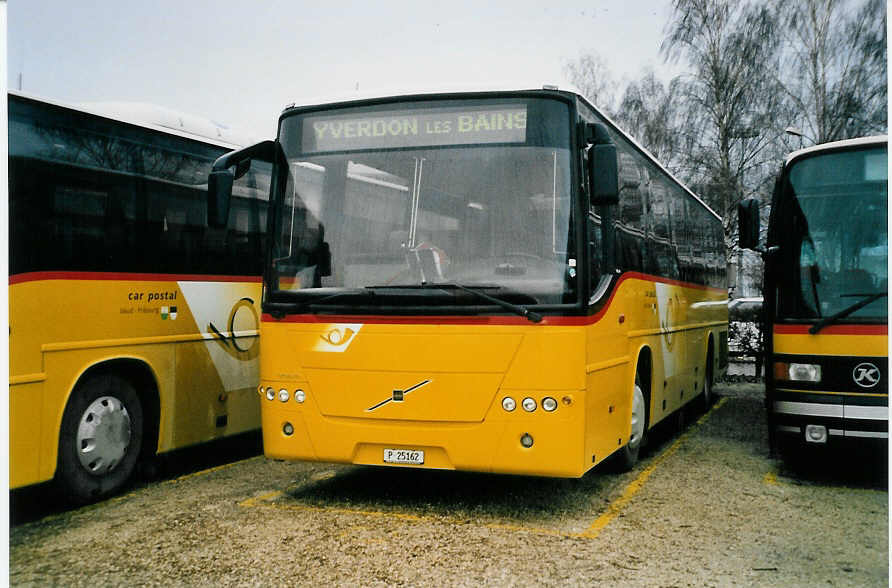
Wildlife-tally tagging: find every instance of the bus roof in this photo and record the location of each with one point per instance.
(408, 91)
(154, 117)
(845, 143)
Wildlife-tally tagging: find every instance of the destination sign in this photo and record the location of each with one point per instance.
(414, 128)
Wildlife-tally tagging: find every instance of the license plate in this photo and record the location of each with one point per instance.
(411, 456)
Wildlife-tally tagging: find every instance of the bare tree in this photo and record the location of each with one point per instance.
(732, 99)
(591, 75)
(835, 67)
(652, 113)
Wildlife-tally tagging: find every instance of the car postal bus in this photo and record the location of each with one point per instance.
(826, 294)
(492, 281)
(133, 325)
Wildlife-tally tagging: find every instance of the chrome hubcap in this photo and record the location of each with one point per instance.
(103, 435)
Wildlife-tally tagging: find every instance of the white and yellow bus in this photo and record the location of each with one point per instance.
(133, 324)
(826, 294)
(491, 281)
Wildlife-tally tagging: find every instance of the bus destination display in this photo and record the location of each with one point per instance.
(428, 127)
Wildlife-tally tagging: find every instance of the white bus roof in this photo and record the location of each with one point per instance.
(157, 118)
(426, 90)
(875, 140)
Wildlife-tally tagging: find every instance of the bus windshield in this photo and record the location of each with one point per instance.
(837, 238)
(413, 194)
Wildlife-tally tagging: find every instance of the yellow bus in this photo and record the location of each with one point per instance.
(133, 325)
(826, 294)
(493, 281)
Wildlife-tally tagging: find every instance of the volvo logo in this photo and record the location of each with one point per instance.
(398, 395)
(866, 375)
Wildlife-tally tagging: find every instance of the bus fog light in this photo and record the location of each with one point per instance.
(816, 434)
(526, 440)
(508, 404)
(270, 394)
(300, 396)
(288, 429)
(798, 372)
(284, 395)
(529, 404)
(805, 372)
(549, 404)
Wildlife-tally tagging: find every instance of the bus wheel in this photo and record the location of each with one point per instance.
(628, 455)
(100, 439)
(706, 396)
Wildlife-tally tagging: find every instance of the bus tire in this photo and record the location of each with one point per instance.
(707, 398)
(100, 439)
(628, 455)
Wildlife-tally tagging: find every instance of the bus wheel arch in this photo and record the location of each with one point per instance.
(627, 457)
(108, 425)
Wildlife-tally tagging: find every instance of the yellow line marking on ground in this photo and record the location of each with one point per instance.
(212, 470)
(613, 510)
(771, 479)
(617, 506)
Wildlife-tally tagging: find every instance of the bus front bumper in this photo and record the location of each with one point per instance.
(820, 418)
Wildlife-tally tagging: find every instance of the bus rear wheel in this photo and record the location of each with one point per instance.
(100, 439)
(706, 395)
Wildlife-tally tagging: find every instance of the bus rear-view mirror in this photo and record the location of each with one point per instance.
(219, 196)
(603, 174)
(748, 224)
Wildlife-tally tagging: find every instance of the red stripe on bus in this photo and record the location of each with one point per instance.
(428, 320)
(127, 277)
(833, 330)
(481, 320)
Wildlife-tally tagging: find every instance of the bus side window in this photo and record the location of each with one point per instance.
(630, 227)
(679, 226)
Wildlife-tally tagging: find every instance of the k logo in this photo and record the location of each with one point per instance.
(866, 375)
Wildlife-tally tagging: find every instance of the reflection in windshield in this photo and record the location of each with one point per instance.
(495, 216)
(837, 216)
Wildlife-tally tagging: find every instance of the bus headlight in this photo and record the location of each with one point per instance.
(284, 395)
(797, 372)
(270, 394)
(529, 404)
(300, 396)
(549, 404)
(508, 404)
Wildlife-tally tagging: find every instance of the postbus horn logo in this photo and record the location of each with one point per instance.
(866, 375)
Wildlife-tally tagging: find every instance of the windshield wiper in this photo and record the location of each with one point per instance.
(532, 316)
(815, 328)
(280, 309)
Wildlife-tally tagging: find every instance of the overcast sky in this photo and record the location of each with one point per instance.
(240, 62)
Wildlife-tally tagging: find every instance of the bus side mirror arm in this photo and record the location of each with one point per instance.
(603, 172)
(222, 177)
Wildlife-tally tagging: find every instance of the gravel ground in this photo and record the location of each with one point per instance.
(707, 506)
